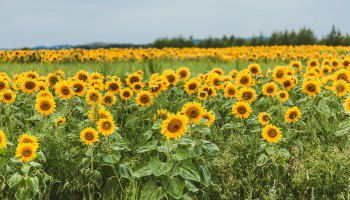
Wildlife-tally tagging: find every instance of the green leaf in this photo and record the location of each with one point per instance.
(85, 163)
(22, 194)
(124, 171)
(180, 154)
(152, 192)
(148, 134)
(157, 125)
(262, 160)
(14, 180)
(210, 148)
(228, 126)
(195, 151)
(188, 171)
(174, 186)
(34, 164)
(96, 177)
(284, 153)
(25, 168)
(343, 128)
(184, 141)
(205, 176)
(112, 158)
(33, 184)
(120, 143)
(111, 186)
(191, 187)
(270, 150)
(143, 171)
(152, 145)
(158, 167)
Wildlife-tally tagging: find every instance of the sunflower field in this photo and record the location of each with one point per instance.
(151, 124)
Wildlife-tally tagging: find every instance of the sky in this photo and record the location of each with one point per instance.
(29, 23)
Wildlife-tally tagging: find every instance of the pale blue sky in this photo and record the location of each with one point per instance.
(49, 22)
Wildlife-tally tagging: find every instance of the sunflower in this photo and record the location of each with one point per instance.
(31, 139)
(32, 74)
(241, 109)
(202, 95)
(52, 79)
(60, 120)
(144, 98)
(109, 99)
(342, 74)
(64, 90)
(288, 83)
(106, 126)
(313, 63)
(82, 76)
(340, 88)
(264, 118)
(210, 117)
(271, 133)
(44, 93)
(233, 74)
(160, 114)
(79, 87)
(292, 114)
(171, 77)
(104, 114)
(3, 139)
(89, 136)
(218, 71)
(96, 84)
(296, 65)
(246, 94)
(279, 73)
(325, 70)
(95, 76)
(26, 152)
(335, 63)
(270, 89)
(311, 87)
(194, 111)
(244, 79)
(174, 126)
(282, 95)
(347, 104)
(7, 96)
(191, 86)
(155, 88)
(209, 89)
(45, 105)
(93, 97)
(346, 63)
(126, 94)
(29, 85)
(137, 87)
(4, 85)
(113, 86)
(133, 78)
(184, 73)
(254, 69)
(42, 86)
(230, 90)
(215, 80)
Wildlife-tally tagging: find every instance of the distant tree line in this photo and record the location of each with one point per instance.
(305, 36)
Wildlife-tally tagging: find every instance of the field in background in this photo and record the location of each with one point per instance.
(122, 68)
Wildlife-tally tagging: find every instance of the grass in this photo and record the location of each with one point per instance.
(121, 68)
